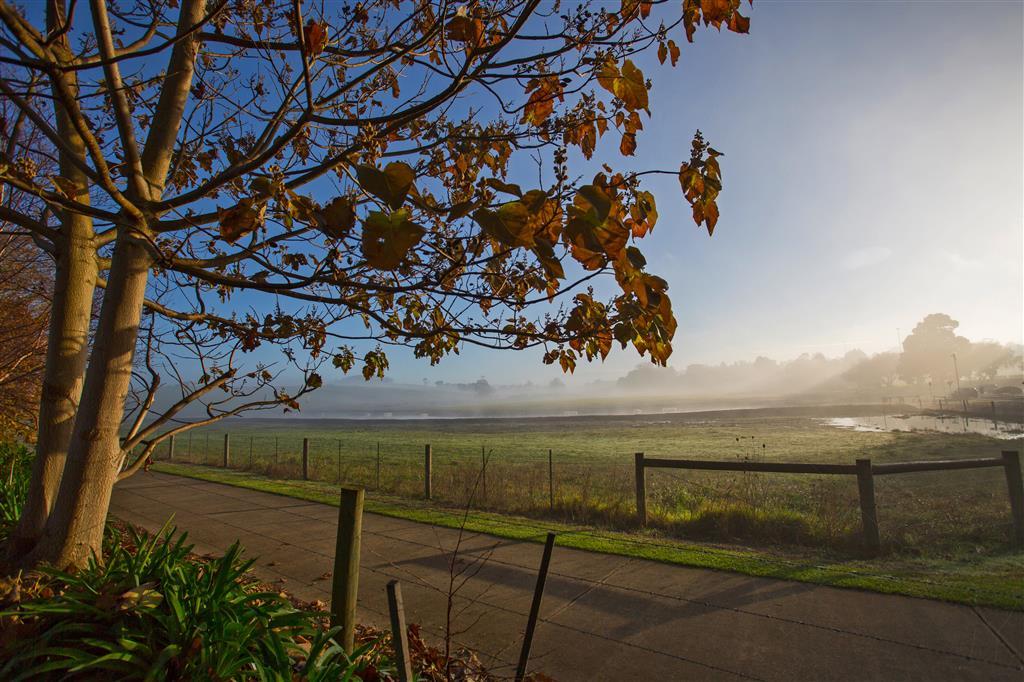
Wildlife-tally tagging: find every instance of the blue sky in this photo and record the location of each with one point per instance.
(873, 175)
(872, 171)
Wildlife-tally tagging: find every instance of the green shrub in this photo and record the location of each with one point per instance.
(15, 469)
(153, 611)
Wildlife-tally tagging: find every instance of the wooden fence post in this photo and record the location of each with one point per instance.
(868, 511)
(250, 453)
(551, 480)
(641, 490)
(227, 450)
(345, 586)
(426, 471)
(538, 594)
(305, 459)
(398, 632)
(378, 465)
(1011, 465)
(170, 448)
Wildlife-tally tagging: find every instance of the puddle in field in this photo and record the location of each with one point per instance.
(986, 427)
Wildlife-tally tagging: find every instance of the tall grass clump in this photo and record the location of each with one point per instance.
(15, 469)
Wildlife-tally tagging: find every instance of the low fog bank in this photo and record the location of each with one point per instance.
(934, 364)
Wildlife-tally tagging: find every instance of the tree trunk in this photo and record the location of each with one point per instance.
(68, 339)
(74, 529)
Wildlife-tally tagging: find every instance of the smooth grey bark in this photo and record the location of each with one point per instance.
(68, 337)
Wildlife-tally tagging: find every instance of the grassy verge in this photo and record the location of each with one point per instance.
(991, 580)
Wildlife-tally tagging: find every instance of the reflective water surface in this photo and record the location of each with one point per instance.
(987, 427)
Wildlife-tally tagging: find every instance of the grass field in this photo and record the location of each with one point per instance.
(942, 525)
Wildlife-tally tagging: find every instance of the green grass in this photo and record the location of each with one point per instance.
(990, 579)
(947, 515)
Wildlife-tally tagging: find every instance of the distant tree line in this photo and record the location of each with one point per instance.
(930, 358)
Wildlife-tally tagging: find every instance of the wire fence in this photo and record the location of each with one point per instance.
(933, 511)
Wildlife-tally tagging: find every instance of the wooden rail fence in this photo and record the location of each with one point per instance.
(865, 472)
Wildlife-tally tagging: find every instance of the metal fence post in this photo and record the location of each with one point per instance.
(170, 448)
(1014, 484)
(426, 471)
(378, 465)
(345, 586)
(305, 459)
(551, 481)
(483, 469)
(227, 450)
(538, 593)
(868, 510)
(641, 489)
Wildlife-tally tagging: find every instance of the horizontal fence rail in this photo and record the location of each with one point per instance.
(863, 469)
(937, 465)
(770, 467)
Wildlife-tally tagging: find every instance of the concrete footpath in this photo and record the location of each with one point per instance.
(604, 617)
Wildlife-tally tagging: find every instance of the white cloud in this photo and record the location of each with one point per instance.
(862, 258)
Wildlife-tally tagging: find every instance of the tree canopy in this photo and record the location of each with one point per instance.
(350, 160)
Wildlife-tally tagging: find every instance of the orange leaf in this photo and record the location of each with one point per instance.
(739, 23)
(466, 30)
(315, 35)
(541, 104)
(628, 144)
(337, 218)
(715, 11)
(240, 219)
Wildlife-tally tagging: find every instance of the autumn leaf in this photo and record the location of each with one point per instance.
(464, 29)
(387, 239)
(673, 51)
(545, 253)
(541, 104)
(263, 187)
(628, 144)
(631, 87)
(507, 225)
(607, 75)
(315, 36)
(643, 215)
(337, 218)
(591, 201)
(739, 23)
(391, 185)
(241, 219)
(627, 84)
(505, 187)
(715, 11)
